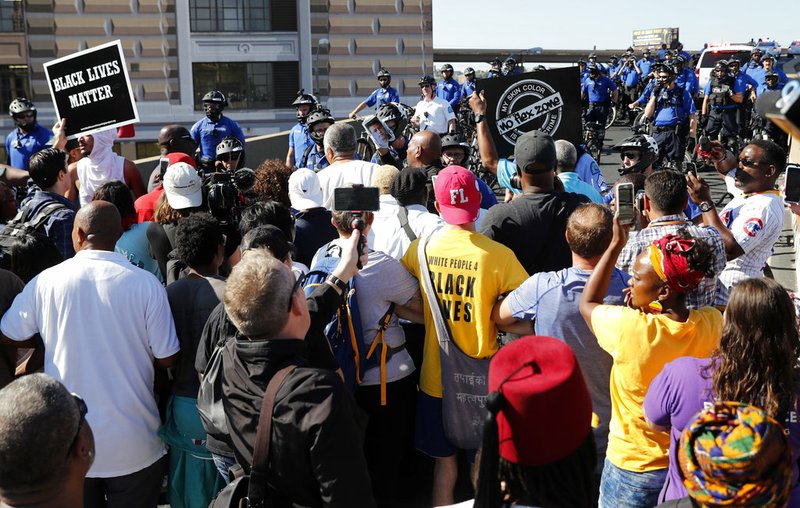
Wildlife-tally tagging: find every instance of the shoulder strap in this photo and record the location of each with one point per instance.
(304, 160)
(44, 214)
(257, 489)
(442, 330)
(402, 214)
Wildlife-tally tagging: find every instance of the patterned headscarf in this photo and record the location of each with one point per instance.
(735, 455)
(668, 257)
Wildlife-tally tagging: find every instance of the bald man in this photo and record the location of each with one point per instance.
(105, 323)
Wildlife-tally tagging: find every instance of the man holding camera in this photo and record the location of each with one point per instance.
(629, 75)
(674, 115)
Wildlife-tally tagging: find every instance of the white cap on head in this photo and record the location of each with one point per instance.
(183, 186)
(305, 189)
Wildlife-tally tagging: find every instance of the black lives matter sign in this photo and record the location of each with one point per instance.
(548, 101)
(92, 90)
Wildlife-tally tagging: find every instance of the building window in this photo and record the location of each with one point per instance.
(11, 17)
(248, 85)
(243, 15)
(13, 83)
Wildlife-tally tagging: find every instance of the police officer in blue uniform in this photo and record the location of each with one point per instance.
(645, 64)
(772, 84)
(629, 78)
(28, 137)
(768, 64)
(684, 77)
(510, 67)
(680, 52)
(743, 110)
(496, 68)
(313, 157)
(722, 96)
(469, 82)
(210, 130)
(299, 137)
(674, 114)
(599, 91)
(384, 93)
(448, 88)
(593, 60)
(753, 67)
(612, 67)
(583, 70)
(661, 54)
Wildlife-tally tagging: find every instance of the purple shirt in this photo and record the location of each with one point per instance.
(674, 397)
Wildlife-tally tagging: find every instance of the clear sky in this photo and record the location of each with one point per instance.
(608, 24)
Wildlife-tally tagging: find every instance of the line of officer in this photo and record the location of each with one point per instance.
(381, 95)
(722, 96)
(674, 116)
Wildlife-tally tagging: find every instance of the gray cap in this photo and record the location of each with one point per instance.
(535, 146)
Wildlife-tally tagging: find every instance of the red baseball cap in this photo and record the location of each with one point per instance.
(546, 413)
(459, 197)
(181, 157)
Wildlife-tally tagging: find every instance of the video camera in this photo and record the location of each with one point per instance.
(782, 108)
(357, 199)
(226, 192)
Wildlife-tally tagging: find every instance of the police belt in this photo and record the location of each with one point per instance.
(604, 103)
(665, 128)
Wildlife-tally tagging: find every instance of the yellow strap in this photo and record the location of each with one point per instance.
(353, 339)
(380, 337)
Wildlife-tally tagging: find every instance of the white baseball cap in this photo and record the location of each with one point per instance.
(183, 186)
(305, 189)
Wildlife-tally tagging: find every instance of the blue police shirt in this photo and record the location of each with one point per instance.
(763, 88)
(514, 72)
(208, 134)
(494, 73)
(299, 139)
(630, 77)
(21, 145)
(661, 53)
(573, 183)
(745, 80)
(598, 90)
(467, 88)
(648, 89)
(673, 108)
(584, 76)
(688, 81)
(761, 76)
(316, 160)
(738, 87)
(751, 69)
(588, 171)
(645, 65)
(449, 90)
(381, 96)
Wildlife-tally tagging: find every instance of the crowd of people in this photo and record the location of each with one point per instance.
(527, 341)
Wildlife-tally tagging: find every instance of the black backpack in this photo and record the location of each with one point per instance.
(24, 226)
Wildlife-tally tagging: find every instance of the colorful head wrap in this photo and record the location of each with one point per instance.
(735, 455)
(668, 257)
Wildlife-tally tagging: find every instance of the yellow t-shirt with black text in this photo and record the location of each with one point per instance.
(469, 273)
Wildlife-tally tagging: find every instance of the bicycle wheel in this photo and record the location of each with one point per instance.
(612, 116)
(364, 149)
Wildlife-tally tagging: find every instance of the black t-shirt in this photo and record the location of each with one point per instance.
(533, 226)
(313, 229)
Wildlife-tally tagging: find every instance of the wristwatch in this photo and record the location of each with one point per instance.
(479, 118)
(706, 206)
(337, 283)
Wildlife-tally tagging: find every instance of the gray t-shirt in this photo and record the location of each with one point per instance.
(381, 282)
(551, 299)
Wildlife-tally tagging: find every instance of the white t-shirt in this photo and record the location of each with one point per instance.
(433, 115)
(103, 321)
(341, 174)
(756, 222)
(386, 234)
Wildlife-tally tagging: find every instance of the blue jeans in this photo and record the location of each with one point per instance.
(628, 489)
(223, 463)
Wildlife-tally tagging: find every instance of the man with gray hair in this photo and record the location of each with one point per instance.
(340, 148)
(46, 445)
(318, 458)
(566, 158)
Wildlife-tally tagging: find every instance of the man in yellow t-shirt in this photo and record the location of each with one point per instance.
(469, 272)
(654, 328)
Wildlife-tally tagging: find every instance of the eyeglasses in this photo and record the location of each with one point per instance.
(297, 285)
(750, 163)
(26, 114)
(629, 155)
(83, 409)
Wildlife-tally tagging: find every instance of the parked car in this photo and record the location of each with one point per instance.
(713, 54)
(771, 47)
(794, 47)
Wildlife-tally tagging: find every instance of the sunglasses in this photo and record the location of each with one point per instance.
(750, 163)
(297, 285)
(83, 409)
(629, 155)
(27, 114)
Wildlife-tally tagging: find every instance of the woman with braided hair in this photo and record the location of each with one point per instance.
(754, 364)
(654, 328)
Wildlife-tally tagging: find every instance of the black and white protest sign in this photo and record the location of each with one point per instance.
(92, 90)
(548, 101)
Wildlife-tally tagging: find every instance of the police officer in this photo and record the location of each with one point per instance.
(684, 77)
(743, 110)
(680, 52)
(230, 154)
(661, 54)
(299, 138)
(645, 64)
(583, 69)
(314, 155)
(496, 68)
(28, 137)
(593, 60)
(722, 96)
(510, 67)
(448, 88)
(629, 76)
(599, 91)
(753, 67)
(613, 66)
(674, 116)
(771, 84)
(384, 93)
(456, 152)
(396, 120)
(210, 130)
(469, 82)
(768, 64)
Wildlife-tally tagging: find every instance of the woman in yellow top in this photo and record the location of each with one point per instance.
(654, 328)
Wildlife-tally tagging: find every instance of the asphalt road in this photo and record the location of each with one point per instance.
(782, 260)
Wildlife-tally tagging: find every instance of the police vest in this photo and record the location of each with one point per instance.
(672, 99)
(721, 89)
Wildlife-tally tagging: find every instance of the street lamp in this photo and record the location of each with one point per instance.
(323, 42)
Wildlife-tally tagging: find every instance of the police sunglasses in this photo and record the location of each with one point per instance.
(297, 285)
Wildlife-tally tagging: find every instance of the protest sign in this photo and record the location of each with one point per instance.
(92, 90)
(548, 101)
